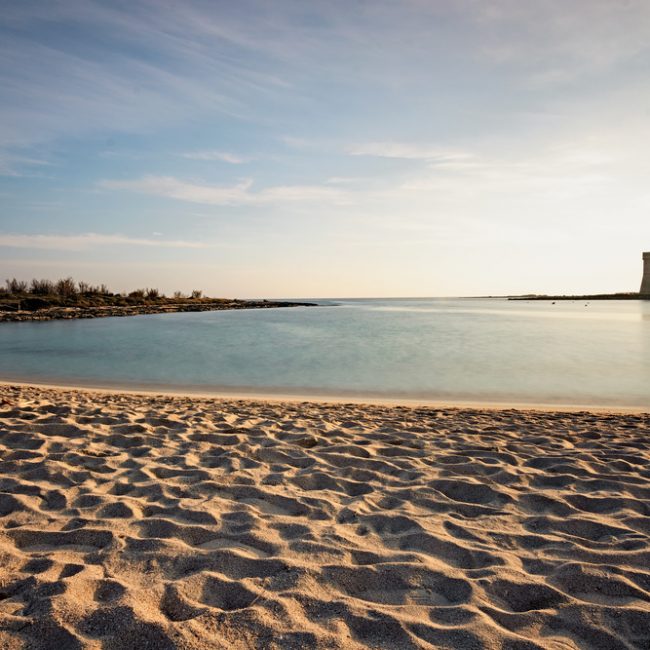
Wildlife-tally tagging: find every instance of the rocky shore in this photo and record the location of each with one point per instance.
(66, 313)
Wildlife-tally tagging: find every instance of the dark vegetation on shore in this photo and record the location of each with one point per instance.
(65, 298)
(597, 296)
(41, 294)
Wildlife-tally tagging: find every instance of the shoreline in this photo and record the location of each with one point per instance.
(333, 399)
(122, 311)
(594, 297)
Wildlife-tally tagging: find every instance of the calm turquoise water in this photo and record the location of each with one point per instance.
(484, 349)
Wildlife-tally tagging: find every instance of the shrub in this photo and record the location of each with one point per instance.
(16, 286)
(42, 287)
(66, 287)
(68, 290)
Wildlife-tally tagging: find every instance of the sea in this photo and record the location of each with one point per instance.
(482, 350)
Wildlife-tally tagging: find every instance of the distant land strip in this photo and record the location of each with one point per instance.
(596, 296)
(62, 313)
(63, 300)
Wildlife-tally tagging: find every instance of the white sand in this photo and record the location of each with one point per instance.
(135, 521)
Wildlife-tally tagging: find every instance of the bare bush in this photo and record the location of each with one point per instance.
(66, 287)
(16, 286)
(42, 287)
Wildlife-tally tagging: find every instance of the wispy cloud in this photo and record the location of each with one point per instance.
(223, 156)
(132, 69)
(344, 180)
(144, 64)
(238, 194)
(558, 42)
(562, 172)
(295, 142)
(14, 165)
(87, 241)
(407, 151)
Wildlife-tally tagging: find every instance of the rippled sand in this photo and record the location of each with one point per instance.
(133, 521)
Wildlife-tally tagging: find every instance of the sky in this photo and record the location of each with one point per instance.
(326, 148)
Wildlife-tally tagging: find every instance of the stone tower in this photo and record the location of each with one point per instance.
(645, 283)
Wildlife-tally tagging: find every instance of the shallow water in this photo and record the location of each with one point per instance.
(591, 353)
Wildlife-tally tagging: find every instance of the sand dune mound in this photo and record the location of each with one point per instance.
(168, 522)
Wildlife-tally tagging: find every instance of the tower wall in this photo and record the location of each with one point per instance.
(645, 283)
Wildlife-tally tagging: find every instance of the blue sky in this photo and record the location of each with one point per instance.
(326, 148)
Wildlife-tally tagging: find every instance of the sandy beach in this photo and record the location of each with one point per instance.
(143, 521)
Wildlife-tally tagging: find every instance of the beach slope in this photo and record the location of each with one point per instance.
(135, 521)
